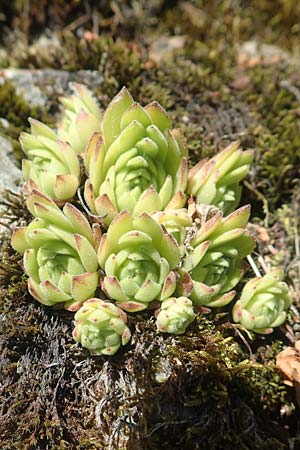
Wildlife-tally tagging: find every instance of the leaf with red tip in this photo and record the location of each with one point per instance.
(132, 306)
(89, 196)
(223, 300)
(84, 286)
(86, 252)
(169, 286)
(158, 115)
(18, 240)
(169, 250)
(105, 209)
(79, 221)
(113, 289)
(111, 125)
(51, 294)
(65, 187)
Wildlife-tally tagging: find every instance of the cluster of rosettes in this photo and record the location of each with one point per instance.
(163, 237)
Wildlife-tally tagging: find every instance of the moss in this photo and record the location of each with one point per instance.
(276, 109)
(202, 89)
(161, 392)
(16, 111)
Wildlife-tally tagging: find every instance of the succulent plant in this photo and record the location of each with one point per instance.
(101, 327)
(158, 246)
(59, 254)
(176, 222)
(263, 303)
(175, 315)
(138, 258)
(138, 163)
(214, 261)
(81, 117)
(53, 166)
(215, 181)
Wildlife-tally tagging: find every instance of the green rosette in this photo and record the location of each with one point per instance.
(138, 257)
(214, 262)
(52, 166)
(81, 117)
(59, 253)
(263, 304)
(175, 315)
(137, 163)
(216, 181)
(101, 327)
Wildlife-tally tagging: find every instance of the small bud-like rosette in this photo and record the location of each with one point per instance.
(263, 303)
(176, 222)
(175, 315)
(214, 261)
(53, 167)
(138, 163)
(215, 181)
(59, 254)
(81, 117)
(101, 327)
(138, 257)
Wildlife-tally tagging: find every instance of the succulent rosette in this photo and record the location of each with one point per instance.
(176, 222)
(81, 117)
(138, 257)
(263, 303)
(53, 166)
(59, 254)
(215, 181)
(175, 315)
(138, 163)
(214, 261)
(101, 327)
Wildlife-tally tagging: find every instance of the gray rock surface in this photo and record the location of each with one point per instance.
(10, 174)
(38, 86)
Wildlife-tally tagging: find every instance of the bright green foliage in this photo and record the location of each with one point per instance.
(175, 315)
(214, 262)
(138, 163)
(263, 303)
(59, 254)
(215, 181)
(101, 327)
(176, 222)
(52, 167)
(81, 117)
(158, 242)
(138, 258)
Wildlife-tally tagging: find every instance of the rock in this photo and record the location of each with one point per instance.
(251, 53)
(10, 174)
(37, 86)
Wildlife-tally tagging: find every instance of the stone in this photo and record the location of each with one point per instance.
(10, 174)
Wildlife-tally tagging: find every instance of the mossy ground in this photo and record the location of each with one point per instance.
(204, 390)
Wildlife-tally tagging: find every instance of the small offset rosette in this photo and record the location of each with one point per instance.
(175, 315)
(214, 261)
(81, 117)
(137, 163)
(101, 327)
(216, 181)
(138, 257)
(59, 253)
(263, 304)
(52, 166)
